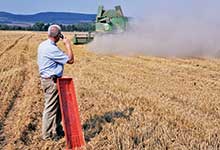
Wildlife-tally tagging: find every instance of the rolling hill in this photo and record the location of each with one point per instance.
(46, 17)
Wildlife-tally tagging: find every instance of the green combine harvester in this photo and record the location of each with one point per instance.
(107, 21)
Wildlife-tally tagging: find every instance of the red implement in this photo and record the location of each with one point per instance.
(70, 114)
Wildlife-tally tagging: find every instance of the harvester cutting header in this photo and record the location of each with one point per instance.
(107, 21)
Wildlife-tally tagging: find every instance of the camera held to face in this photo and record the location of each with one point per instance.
(61, 36)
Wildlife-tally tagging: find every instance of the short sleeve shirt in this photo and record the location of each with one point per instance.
(51, 59)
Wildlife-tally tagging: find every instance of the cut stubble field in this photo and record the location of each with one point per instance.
(136, 102)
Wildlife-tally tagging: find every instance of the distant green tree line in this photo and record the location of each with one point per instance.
(40, 26)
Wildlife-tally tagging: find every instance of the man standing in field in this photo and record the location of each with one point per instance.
(51, 62)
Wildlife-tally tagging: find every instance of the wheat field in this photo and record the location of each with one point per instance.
(125, 103)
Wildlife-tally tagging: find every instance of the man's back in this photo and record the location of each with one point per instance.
(50, 59)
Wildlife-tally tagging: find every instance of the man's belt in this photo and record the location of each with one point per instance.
(54, 78)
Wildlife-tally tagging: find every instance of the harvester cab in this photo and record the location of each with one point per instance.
(107, 21)
(111, 20)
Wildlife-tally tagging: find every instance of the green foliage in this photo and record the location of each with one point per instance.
(85, 27)
(4, 27)
(40, 26)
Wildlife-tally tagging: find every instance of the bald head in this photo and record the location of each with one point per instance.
(54, 30)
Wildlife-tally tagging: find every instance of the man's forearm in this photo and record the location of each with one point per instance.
(69, 51)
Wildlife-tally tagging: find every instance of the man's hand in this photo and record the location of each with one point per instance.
(66, 42)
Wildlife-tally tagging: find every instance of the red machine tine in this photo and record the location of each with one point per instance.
(70, 114)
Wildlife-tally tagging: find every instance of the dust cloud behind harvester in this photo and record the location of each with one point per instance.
(193, 31)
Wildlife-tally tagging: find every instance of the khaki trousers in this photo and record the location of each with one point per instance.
(51, 114)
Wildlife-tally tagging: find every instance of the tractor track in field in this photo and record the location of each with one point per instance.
(27, 130)
(6, 113)
(2, 42)
(3, 140)
(12, 45)
(17, 91)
